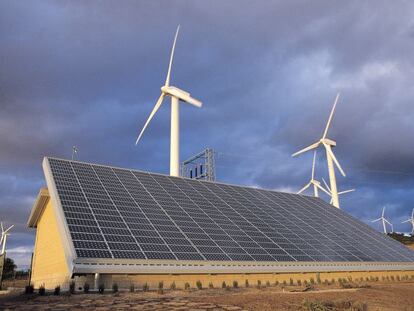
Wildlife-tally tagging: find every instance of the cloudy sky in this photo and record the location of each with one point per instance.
(88, 74)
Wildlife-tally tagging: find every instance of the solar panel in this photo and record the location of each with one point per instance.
(121, 213)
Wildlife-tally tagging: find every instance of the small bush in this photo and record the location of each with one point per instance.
(376, 279)
(42, 290)
(101, 288)
(235, 284)
(199, 285)
(299, 283)
(398, 278)
(284, 283)
(86, 288)
(173, 286)
(187, 286)
(259, 283)
(228, 287)
(115, 288)
(291, 281)
(145, 287)
(246, 283)
(392, 278)
(276, 283)
(132, 288)
(305, 282)
(210, 285)
(333, 281)
(57, 291)
(367, 279)
(326, 282)
(161, 287)
(29, 289)
(267, 283)
(72, 287)
(223, 285)
(312, 281)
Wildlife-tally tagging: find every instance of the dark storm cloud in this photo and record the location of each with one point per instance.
(88, 73)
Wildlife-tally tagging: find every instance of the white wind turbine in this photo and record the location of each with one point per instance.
(411, 221)
(384, 221)
(339, 193)
(4, 235)
(176, 95)
(330, 157)
(313, 182)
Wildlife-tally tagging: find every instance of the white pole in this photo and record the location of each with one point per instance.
(4, 244)
(315, 190)
(175, 138)
(332, 179)
(384, 226)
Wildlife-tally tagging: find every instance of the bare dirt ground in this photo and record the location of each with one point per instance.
(378, 296)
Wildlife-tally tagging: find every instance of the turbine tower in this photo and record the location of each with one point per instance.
(4, 235)
(411, 221)
(330, 157)
(339, 193)
(176, 95)
(384, 221)
(313, 182)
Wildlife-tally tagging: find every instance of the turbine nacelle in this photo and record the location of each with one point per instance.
(327, 141)
(181, 95)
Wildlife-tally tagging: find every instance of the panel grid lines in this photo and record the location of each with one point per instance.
(120, 213)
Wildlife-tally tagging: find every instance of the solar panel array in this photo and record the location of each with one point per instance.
(121, 213)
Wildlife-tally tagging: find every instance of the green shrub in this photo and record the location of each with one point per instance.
(132, 288)
(56, 292)
(199, 285)
(187, 286)
(223, 285)
(173, 286)
(86, 288)
(312, 281)
(101, 288)
(210, 285)
(276, 283)
(42, 290)
(29, 289)
(145, 287)
(246, 283)
(72, 287)
(161, 287)
(299, 283)
(291, 281)
(235, 284)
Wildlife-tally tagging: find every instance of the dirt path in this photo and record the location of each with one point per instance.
(378, 297)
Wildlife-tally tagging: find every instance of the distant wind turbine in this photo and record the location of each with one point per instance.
(313, 182)
(384, 221)
(330, 157)
(411, 221)
(3, 239)
(176, 95)
(339, 193)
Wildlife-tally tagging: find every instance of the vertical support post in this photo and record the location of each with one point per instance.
(315, 190)
(332, 179)
(96, 283)
(175, 138)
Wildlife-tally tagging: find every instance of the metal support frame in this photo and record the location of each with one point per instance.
(201, 166)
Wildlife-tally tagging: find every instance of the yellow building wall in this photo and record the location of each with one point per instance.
(49, 267)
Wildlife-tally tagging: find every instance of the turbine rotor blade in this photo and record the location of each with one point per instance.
(334, 159)
(313, 164)
(154, 110)
(167, 80)
(376, 220)
(408, 220)
(313, 146)
(8, 228)
(304, 188)
(330, 117)
(326, 185)
(346, 191)
(323, 189)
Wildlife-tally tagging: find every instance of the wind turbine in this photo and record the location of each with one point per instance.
(330, 157)
(384, 221)
(411, 220)
(4, 234)
(313, 182)
(339, 193)
(176, 95)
